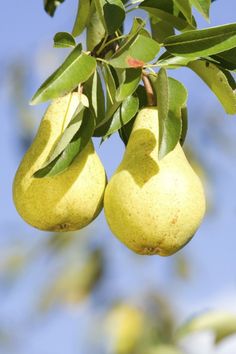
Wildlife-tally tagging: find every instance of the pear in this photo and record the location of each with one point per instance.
(71, 199)
(153, 206)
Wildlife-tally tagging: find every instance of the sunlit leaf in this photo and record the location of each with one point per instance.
(82, 17)
(164, 10)
(167, 60)
(136, 53)
(185, 7)
(74, 148)
(202, 42)
(217, 81)
(203, 6)
(77, 68)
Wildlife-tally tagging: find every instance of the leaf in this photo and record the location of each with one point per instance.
(203, 6)
(135, 54)
(67, 135)
(222, 324)
(185, 7)
(171, 126)
(162, 93)
(217, 81)
(161, 29)
(184, 119)
(123, 115)
(64, 40)
(226, 59)
(50, 6)
(167, 60)
(95, 30)
(77, 68)
(111, 14)
(130, 83)
(114, 14)
(94, 91)
(164, 10)
(110, 85)
(137, 26)
(76, 145)
(203, 42)
(82, 17)
(126, 129)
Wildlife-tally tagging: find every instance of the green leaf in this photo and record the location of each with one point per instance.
(203, 42)
(67, 135)
(126, 129)
(162, 93)
(111, 14)
(172, 125)
(164, 10)
(123, 115)
(82, 17)
(217, 81)
(222, 324)
(226, 59)
(94, 91)
(135, 54)
(184, 119)
(50, 6)
(77, 68)
(110, 86)
(64, 40)
(167, 60)
(203, 6)
(95, 30)
(161, 29)
(112, 104)
(114, 14)
(185, 7)
(142, 96)
(76, 145)
(129, 84)
(137, 26)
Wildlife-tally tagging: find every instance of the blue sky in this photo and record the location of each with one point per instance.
(28, 33)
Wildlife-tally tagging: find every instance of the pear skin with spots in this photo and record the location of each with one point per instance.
(71, 199)
(153, 206)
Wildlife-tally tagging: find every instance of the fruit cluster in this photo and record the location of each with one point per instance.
(152, 205)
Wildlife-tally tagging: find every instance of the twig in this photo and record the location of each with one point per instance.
(149, 90)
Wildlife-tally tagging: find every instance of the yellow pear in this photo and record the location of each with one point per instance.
(153, 206)
(73, 198)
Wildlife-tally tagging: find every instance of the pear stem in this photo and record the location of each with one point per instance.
(149, 90)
